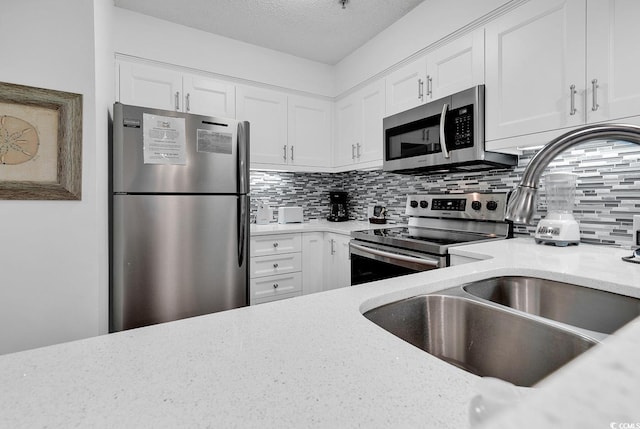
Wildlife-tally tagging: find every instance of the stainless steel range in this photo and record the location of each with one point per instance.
(436, 223)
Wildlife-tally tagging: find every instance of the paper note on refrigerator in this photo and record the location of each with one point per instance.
(164, 140)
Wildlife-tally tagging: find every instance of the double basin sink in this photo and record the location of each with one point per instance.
(518, 329)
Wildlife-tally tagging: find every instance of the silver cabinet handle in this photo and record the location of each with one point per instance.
(333, 250)
(291, 153)
(275, 265)
(353, 152)
(187, 104)
(443, 139)
(420, 89)
(572, 92)
(284, 153)
(177, 100)
(275, 285)
(429, 86)
(275, 244)
(594, 89)
(358, 150)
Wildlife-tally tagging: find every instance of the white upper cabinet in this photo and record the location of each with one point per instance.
(456, 66)
(309, 137)
(149, 86)
(453, 67)
(346, 134)
(205, 96)
(266, 112)
(286, 130)
(557, 64)
(372, 111)
(613, 64)
(534, 57)
(358, 121)
(405, 87)
(164, 88)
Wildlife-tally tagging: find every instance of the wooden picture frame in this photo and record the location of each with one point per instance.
(40, 144)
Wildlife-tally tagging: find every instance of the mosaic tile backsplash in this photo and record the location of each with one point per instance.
(607, 195)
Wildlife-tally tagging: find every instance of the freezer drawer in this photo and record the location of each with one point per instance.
(177, 256)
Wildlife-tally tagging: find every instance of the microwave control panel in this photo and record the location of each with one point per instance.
(461, 134)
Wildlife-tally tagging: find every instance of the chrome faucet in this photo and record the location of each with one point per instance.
(521, 205)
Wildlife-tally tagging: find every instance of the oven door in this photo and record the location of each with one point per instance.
(371, 262)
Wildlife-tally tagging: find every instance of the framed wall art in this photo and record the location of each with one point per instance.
(40, 144)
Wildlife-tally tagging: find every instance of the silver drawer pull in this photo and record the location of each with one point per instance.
(275, 244)
(275, 265)
(275, 285)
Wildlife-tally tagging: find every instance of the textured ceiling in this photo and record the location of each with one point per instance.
(319, 30)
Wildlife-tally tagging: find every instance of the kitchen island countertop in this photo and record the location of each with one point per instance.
(315, 361)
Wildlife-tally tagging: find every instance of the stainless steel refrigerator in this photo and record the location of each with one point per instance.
(179, 216)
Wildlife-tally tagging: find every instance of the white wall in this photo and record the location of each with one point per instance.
(146, 37)
(427, 23)
(52, 253)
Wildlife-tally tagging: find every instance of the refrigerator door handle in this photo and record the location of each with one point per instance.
(242, 229)
(243, 157)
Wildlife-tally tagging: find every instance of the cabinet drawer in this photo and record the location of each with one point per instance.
(262, 245)
(271, 286)
(276, 264)
(275, 298)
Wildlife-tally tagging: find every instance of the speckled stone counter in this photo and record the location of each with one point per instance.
(315, 361)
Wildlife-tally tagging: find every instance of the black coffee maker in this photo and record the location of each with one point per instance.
(338, 206)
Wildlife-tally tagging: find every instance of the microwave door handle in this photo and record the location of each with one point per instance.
(443, 140)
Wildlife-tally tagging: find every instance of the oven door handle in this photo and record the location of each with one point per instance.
(427, 262)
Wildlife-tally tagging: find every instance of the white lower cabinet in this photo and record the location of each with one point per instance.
(275, 267)
(337, 264)
(287, 265)
(312, 262)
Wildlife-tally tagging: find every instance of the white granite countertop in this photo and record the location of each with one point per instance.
(344, 228)
(315, 361)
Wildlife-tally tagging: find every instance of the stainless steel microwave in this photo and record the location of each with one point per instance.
(441, 136)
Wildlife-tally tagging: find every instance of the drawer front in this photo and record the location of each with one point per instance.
(271, 286)
(276, 264)
(275, 298)
(263, 245)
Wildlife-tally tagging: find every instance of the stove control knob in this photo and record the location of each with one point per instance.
(492, 205)
(424, 204)
(413, 203)
(476, 205)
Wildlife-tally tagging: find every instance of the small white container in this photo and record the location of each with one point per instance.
(290, 215)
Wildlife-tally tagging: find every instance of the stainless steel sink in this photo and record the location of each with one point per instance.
(481, 338)
(579, 306)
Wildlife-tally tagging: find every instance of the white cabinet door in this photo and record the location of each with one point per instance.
(372, 110)
(337, 263)
(456, 66)
(205, 96)
(346, 115)
(533, 56)
(613, 65)
(405, 87)
(266, 112)
(309, 137)
(312, 262)
(359, 126)
(149, 86)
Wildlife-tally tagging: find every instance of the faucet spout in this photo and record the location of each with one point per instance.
(521, 205)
